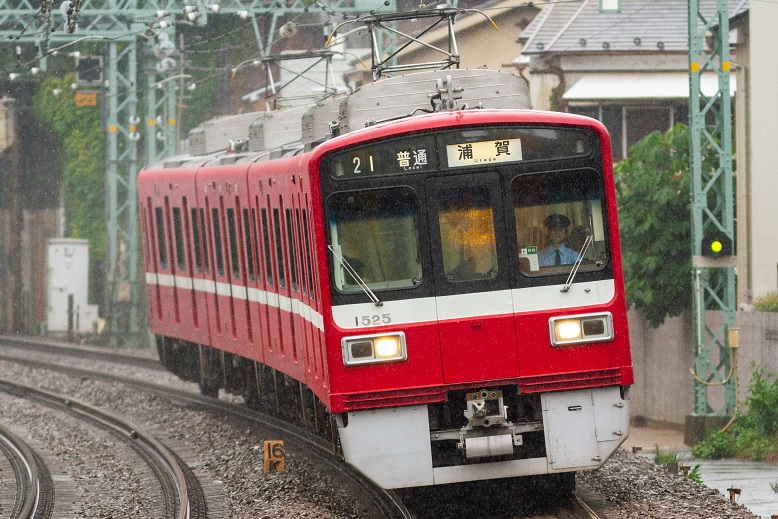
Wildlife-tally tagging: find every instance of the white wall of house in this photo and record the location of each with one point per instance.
(662, 358)
(763, 129)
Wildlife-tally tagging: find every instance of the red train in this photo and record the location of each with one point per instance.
(388, 284)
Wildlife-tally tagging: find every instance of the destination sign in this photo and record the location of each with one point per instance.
(483, 153)
(409, 155)
(464, 148)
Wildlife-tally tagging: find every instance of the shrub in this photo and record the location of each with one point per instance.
(716, 446)
(754, 435)
(767, 303)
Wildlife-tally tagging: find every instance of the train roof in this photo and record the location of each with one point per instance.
(255, 136)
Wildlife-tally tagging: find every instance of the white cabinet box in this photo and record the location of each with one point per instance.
(67, 268)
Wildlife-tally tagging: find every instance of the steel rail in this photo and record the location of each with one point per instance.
(163, 462)
(385, 501)
(581, 508)
(34, 485)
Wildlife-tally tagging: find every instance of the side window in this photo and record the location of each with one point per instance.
(206, 257)
(247, 243)
(233, 238)
(466, 221)
(144, 233)
(217, 241)
(198, 251)
(301, 251)
(161, 241)
(266, 243)
(178, 234)
(279, 247)
(255, 235)
(308, 253)
(291, 251)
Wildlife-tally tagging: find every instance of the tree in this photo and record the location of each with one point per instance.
(655, 218)
(84, 164)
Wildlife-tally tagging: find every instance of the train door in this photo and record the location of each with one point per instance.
(472, 278)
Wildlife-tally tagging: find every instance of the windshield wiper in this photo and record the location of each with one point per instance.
(353, 274)
(571, 277)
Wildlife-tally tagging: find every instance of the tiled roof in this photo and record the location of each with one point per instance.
(641, 25)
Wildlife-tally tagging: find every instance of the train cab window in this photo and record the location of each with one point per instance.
(266, 243)
(374, 234)
(217, 241)
(161, 241)
(178, 232)
(198, 250)
(233, 237)
(560, 219)
(466, 222)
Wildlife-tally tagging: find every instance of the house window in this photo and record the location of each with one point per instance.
(628, 124)
(610, 6)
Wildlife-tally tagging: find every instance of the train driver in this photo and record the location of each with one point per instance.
(557, 253)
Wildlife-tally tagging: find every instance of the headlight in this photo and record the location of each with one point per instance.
(368, 349)
(580, 329)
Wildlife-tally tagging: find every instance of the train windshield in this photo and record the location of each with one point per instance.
(560, 219)
(375, 233)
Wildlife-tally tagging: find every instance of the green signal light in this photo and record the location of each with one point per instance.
(716, 244)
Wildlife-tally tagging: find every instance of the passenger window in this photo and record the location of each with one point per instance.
(468, 245)
(266, 243)
(161, 241)
(198, 251)
(206, 260)
(300, 250)
(178, 233)
(217, 241)
(233, 237)
(279, 248)
(308, 253)
(292, 251)
(247, 243)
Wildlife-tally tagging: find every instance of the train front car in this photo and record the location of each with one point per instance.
(460, 347)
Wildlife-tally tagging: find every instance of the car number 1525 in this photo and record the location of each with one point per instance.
(372, 320)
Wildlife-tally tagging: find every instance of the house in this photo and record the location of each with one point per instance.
(627, 67)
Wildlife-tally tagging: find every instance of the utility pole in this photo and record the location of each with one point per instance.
(121, 28)
(713, 260)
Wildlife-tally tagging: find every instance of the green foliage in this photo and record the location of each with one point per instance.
(655, 219)
(84, 171)
(665, 458)
(754, 435)
(674, 459)
(694, 475)
(716, 446)
(767, 303)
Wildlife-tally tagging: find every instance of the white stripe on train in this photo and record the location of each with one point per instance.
(410, 311)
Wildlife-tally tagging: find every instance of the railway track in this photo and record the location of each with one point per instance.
(183, 498)
(34, 497)
(379, 502)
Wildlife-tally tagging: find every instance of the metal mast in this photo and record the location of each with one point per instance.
(712, 212)
(120, 25)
